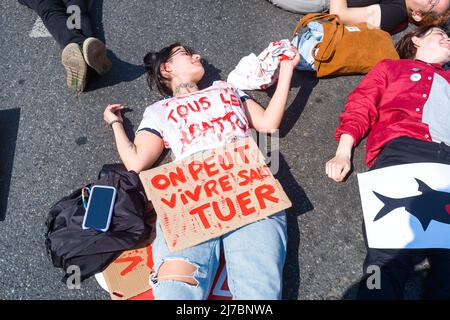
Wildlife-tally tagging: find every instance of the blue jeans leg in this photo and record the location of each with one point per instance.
(255, 256)
(204, 256)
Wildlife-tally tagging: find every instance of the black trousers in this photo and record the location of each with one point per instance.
(54, 16)
(397, 265)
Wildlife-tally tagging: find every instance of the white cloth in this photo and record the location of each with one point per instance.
(198, 121)
(260, 72)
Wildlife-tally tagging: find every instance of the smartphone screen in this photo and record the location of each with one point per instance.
(99, 209)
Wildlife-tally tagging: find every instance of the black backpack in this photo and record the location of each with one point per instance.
(92, 251)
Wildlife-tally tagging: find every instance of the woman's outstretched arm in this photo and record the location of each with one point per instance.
(360, 115)
(140, 154)
(370, 14)
(269, 119)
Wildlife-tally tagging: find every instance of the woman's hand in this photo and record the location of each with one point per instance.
(112, 113)
(140, 154)
(338, 167)
(291, 63)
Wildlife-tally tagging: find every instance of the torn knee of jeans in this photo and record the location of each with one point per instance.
(175, 270)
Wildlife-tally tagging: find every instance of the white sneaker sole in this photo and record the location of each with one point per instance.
(94, 52)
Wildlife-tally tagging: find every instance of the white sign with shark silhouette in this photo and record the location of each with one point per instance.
(407, 206)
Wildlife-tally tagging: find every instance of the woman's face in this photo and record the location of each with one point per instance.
(427, 6)
(435, 44)
(185, 65)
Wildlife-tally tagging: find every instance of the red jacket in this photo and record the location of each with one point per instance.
(388, 104)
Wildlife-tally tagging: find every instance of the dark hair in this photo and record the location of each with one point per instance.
(405, 46)
(430, 18)
(152, 63)
(445, 24)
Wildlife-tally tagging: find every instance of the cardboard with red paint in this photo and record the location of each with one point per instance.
(128, 275)
(211, 193)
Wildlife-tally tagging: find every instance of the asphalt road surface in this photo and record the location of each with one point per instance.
(53, 140)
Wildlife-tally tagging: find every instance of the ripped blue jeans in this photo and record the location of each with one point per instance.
(254, 255)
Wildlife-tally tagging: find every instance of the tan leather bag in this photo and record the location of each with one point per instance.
(349, 49)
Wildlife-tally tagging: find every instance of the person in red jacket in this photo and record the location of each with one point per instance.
(404, 108)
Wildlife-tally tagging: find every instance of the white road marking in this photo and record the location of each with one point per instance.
(39, 30)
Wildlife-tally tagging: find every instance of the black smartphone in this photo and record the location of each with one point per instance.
(99, 208)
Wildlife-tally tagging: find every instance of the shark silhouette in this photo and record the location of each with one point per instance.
(430, 205)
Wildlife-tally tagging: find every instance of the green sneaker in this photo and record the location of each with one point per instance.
(76, 68)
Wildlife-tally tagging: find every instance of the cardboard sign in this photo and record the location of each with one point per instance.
(128, 275)
(407, 206)
(127, 278)
(211, 193)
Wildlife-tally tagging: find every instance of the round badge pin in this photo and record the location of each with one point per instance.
(415, 77)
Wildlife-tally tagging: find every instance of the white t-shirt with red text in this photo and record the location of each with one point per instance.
(198, 121)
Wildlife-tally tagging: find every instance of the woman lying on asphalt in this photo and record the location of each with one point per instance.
(194, 120)
(404, 107)
(389, 15)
